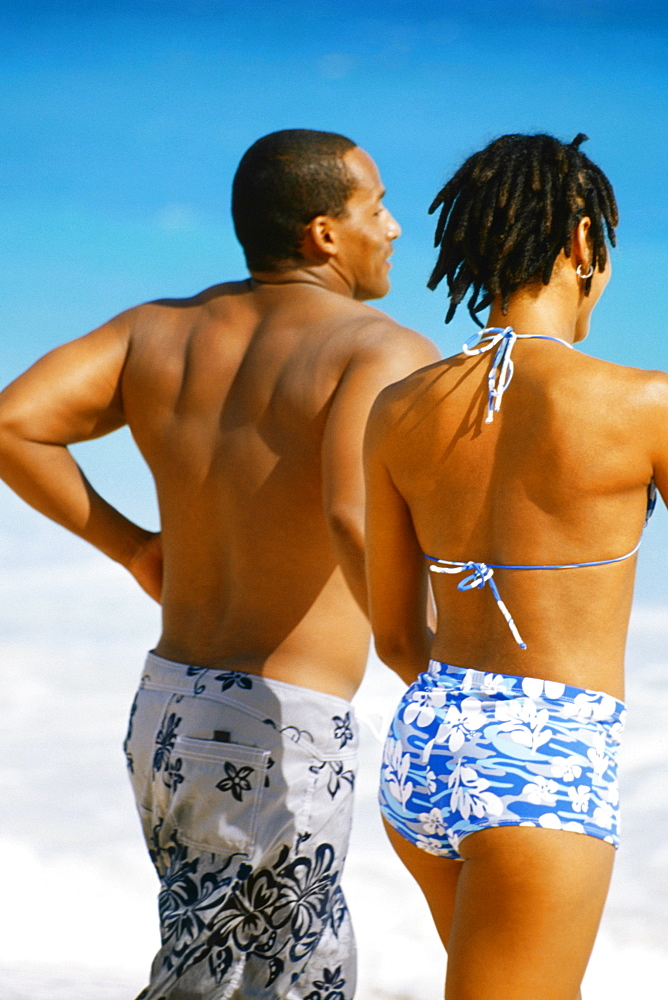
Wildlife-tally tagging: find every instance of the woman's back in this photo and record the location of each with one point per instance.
(559, 477)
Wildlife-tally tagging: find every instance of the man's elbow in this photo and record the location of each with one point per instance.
(12, 433)
(8, 429)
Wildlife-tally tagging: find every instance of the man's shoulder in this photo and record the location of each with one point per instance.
(165, 313)
(372, 331)
(200, 299)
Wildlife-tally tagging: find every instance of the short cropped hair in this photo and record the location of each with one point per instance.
(283, 182)
(510, 210)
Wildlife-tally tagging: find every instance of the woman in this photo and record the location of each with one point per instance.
(518, 472)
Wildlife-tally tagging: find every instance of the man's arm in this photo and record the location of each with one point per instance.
(391, 353)
(70, 395)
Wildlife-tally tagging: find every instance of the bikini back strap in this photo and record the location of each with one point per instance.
(480, 574)
(501, 372)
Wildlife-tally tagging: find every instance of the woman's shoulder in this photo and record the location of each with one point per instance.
(414, 386)
(648, 384)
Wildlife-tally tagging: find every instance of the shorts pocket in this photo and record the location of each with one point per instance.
(216, 794)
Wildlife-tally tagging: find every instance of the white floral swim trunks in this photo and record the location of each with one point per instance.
(468, 750)
(244, 787)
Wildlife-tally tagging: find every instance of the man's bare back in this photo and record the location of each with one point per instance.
(248, 402)
(240, 409)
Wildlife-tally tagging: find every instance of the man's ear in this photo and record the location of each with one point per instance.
(320, 238)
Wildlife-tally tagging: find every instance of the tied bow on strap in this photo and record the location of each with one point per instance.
(479, 574)
(501, 372)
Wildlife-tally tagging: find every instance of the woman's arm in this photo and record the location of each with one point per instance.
(396, 568)
(657, 422)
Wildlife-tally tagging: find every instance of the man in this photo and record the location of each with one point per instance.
(248, 402)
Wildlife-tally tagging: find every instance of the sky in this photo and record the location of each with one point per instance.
(122, 125)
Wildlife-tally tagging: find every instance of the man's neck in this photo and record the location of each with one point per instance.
(318, 276)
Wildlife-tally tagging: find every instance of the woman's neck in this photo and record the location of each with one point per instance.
(547, 309)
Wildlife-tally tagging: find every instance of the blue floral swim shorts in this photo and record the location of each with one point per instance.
(468, 750)
(244, 787)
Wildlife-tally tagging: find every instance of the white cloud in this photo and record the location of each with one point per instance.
(176, 216)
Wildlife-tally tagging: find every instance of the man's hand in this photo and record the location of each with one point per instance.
(146, 565)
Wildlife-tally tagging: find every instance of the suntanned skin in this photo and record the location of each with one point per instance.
(560, 476)
(248, 403)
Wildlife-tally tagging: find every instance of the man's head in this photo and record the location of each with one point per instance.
(284, 181)
(304, 198)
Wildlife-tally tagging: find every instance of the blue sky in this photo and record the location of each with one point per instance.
(122, 125)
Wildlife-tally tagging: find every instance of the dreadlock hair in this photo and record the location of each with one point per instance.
(284, 181)
(508, 213)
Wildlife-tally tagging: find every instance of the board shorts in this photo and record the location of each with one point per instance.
(468, 750)
(244, 787)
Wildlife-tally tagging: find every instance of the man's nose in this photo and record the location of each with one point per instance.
(394, 229)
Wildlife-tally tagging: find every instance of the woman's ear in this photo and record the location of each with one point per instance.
(581, 246)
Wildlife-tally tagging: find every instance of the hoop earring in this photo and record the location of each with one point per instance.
(581, 274)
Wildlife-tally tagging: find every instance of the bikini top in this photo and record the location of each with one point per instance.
(498, 380)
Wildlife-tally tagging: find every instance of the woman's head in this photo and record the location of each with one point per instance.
(510, 211)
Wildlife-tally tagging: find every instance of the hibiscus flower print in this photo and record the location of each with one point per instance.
(306, 886)
(432, 822)
(395, 771)
(604, 816)
(460, 724)
(597, 755)
(336, 775)
(330, 987)
(568, 768)
(542, 791)
(536, 688)
(198, 673)
(342, 729)
(470, 794)
(186, 903)
(611, 793)
(234, 678)
(237, 780)
(164, 741)
(524, 722)
(433, 846)
(590, 705)
(174, 775)
(550, 821)
(247, 916)
(579, 797)
(420, 709)
(492, 684)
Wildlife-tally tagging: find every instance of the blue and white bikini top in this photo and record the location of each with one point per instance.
(498, 380)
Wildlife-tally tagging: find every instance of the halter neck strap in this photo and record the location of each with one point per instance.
(501, 372)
